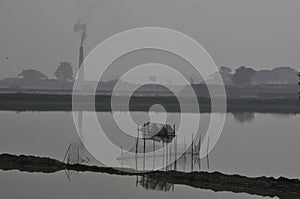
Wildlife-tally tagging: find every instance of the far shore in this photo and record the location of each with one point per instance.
(63, 102)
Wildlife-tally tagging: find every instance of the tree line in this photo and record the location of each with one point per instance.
(64, 72)
(242, 76)
(246, 76)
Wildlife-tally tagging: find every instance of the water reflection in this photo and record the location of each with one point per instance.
(153, 184)
(164, 181)
(242, 148)
(284, 115)
(242, 117)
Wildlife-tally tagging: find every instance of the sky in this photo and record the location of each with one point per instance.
(38, 34)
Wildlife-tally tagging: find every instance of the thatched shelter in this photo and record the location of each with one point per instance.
(158, 132)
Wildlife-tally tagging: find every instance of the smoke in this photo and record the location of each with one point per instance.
(81, 27)
(84, 10)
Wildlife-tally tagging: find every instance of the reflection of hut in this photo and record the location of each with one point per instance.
(154, 184)
(158, 132)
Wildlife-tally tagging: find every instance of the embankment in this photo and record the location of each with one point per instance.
(283, 188)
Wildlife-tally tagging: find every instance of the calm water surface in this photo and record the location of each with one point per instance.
(251, 144)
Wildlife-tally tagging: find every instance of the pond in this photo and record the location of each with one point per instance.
(251, 144)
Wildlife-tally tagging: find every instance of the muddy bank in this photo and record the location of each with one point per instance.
(55, 102)
(263, 186)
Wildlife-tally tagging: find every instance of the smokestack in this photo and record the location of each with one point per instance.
(81, 57)
(79, 26)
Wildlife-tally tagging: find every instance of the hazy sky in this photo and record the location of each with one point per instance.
(260, 33)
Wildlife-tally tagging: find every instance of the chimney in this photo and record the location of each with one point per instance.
(81, 74)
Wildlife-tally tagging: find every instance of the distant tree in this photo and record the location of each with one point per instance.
(32, 74)
(264, 77)
(279, 75)
(226, 74)
(299, 84)
(243, 76)
(285, 75)
(225, 70)
(64, 71)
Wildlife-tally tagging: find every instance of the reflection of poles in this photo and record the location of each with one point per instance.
(68, 174)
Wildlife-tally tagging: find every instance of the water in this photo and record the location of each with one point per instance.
(251, 144)
(88, 185)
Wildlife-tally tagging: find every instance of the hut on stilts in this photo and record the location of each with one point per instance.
(158, 132)
(152, 136)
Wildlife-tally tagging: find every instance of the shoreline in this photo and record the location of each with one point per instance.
(51, 102)
(281, 187)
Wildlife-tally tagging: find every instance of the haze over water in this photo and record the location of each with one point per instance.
(251, 144)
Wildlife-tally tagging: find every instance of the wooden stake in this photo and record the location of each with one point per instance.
(192, 155)
(67, 152)
(207, 153)
(175, 143)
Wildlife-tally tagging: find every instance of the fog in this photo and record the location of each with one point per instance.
(38, 34)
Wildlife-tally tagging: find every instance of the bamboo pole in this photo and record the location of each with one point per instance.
(78, 155)
(170, 155)
(137, 140)
(184, 147)
(175, 149)
(122, 157)
(163, 159)
(137, 146)
(200, 152)
(207, 153)
(192, 153)
(67, 152)
(153, 154)
(167, 155)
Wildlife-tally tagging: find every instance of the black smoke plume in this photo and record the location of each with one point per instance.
(81, 27)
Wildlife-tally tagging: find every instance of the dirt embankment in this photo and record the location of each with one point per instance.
(283, 188)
